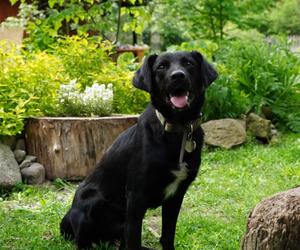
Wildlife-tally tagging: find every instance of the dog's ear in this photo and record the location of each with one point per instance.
(208, 72)
(143, 77)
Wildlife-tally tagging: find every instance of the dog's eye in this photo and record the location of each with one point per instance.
(162, 66)
(188, 63)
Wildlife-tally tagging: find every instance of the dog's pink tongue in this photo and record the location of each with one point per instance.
(179, 101)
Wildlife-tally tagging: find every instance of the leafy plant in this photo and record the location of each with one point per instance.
(224, 98)
(84, 58)
(90, 60)
(285, 18)
(269, 75)
(105, 19)
(127, 99)
(28, 84)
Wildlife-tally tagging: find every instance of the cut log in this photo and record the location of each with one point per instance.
(69, 148)
(275, 223)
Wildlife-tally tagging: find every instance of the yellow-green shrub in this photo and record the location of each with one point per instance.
(28, 85)
(29, 81)
(89, 60)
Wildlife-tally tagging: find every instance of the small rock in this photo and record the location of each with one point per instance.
(25, 164)
(19, 155)
(34, 174)
(9, 170)
(27, 161)
(259, 127)
(21, 144)
(224, 133)
(30, 158)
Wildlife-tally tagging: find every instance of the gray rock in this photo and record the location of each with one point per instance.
(224, 133)
(9, 169)
(30, 158)
(34, 174)
(19, 155)
(25, 164)
(21, 144)
(27, 161)
(259, 127)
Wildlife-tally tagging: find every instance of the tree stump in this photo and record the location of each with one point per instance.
(274, 224)
(69, 148)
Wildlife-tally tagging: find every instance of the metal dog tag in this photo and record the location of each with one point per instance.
(190, 146)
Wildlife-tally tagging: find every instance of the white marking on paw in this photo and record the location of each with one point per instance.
(180, 175)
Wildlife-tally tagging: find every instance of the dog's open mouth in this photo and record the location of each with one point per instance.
(179, 101)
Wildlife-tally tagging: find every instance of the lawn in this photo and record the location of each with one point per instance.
(213, 215)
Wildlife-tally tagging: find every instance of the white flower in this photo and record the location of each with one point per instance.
(96, 99)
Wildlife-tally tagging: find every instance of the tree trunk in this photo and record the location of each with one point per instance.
(274, 224)
(70, 147)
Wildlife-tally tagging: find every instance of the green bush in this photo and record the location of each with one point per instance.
(269, 76)
(90, 60)
(127, 98)
(28, 85)
(224, 98)
(284, 18)
(84, 58)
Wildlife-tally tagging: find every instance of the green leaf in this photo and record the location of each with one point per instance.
(13, 1)
(52, 3)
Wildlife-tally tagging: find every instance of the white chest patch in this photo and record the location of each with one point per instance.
(180, 175)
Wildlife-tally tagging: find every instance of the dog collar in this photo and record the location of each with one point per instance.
(187, 144)
(172, 127)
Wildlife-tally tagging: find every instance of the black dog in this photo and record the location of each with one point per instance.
(151, 163)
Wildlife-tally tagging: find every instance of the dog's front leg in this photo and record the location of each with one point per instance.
(170, 211)
(133, 224)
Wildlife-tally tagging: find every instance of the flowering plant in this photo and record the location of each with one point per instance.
(96, 100)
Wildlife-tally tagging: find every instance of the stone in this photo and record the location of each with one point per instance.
(27, 161)
(9, 170)
(224, 133)
(19, 155)
(20, 144)
(34, 174)
(275, 223)
(259, 127)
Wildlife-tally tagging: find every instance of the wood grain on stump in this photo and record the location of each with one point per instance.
(70, 147)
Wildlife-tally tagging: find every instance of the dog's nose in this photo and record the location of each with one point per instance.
(177, 75)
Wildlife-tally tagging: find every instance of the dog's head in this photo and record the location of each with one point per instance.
(176, 82)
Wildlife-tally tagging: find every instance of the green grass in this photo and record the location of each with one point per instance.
(213, 215)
